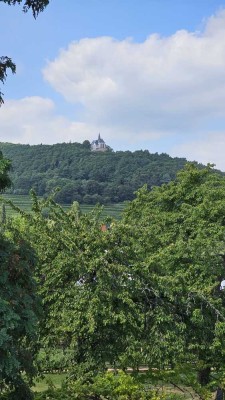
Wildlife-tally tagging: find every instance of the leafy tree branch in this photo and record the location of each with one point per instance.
(5, 64)
(35, 5)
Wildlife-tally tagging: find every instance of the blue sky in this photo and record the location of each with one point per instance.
(145, 74)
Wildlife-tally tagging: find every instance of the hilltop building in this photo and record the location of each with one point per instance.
(99, 145)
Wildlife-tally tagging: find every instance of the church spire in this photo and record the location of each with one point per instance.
(99, 144)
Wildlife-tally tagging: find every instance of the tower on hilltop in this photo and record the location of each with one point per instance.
(99, 144)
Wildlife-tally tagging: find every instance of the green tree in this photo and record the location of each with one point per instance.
(113, 176)
(86, 144)
(85, 286)
(177, 234)
(18, 315)
(5, 166)
(18, 305)
(5, 63)
(147, 290)
(3, 216)
(35, 5)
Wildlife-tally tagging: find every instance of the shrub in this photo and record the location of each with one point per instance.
(107, 386)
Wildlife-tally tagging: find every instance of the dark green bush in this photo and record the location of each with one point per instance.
(107, 386)
(51, 360)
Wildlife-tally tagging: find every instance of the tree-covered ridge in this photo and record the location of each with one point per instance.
(86, 176)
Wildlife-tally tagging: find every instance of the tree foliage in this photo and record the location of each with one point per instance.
(178, 236)
(5, 64)
(110, 386)
(145, 291)
(18, 314)
(18, 304)
(35, 5)
(5, 166)
(85, 176)
(85, 287)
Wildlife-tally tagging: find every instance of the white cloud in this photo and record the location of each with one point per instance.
(204, 148)
(34, 120)
(164, 89)
(162, 84)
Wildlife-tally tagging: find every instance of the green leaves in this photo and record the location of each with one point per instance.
(89, 296)
(178, 236)
(85, 176)
(107, 385)
(18, 310)
(35, 5)
(5, 166)
(5, 64)
(144, 291)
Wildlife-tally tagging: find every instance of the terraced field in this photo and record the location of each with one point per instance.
(24, 203)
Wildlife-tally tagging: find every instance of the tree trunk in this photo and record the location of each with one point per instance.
(203, 376)
(219, 394)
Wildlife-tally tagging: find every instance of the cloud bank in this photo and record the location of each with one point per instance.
(167, 89)
(34, 120)
(161, 84)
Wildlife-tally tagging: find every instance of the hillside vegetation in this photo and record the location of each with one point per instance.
(86, 176)
(145, 292)
(24, 203)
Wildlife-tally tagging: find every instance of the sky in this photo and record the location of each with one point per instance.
(146, 74)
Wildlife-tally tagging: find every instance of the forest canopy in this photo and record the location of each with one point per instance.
(144, 292)
(86, 176)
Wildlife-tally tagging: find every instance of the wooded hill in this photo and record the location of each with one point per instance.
(86, 176)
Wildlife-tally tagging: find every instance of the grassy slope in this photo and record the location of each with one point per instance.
(42, 384)
(24, 202)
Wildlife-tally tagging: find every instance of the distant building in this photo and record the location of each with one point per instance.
(99, 145)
